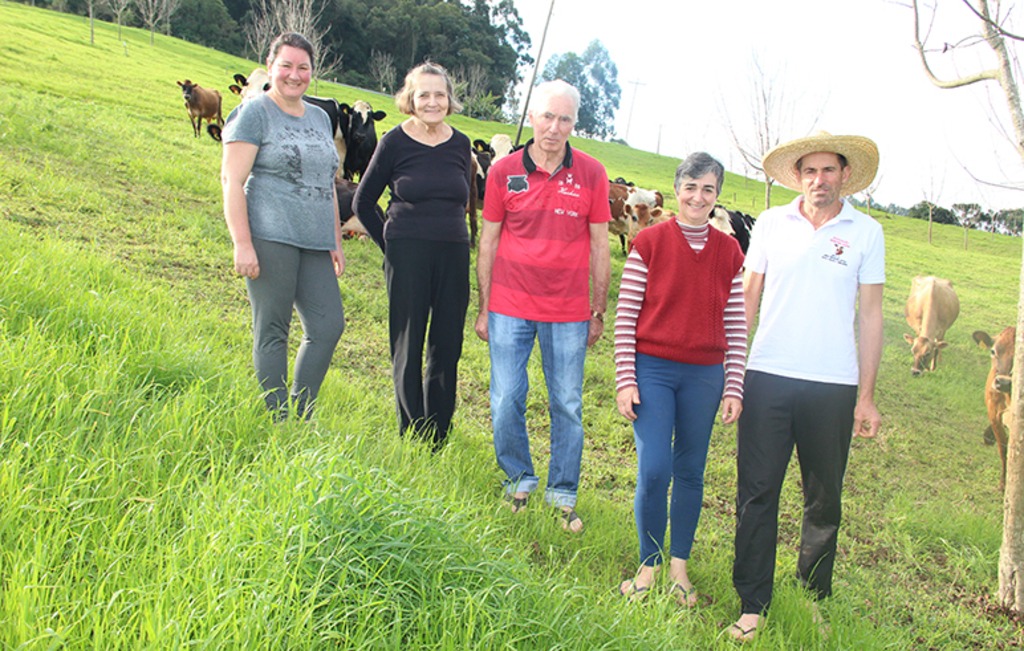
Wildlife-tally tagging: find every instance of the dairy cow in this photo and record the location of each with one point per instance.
(931, 309)
(997, 388)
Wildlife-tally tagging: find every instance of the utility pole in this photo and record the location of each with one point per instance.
(533, 78)
(636, 84)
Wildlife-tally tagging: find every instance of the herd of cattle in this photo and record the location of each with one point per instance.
(931, 308)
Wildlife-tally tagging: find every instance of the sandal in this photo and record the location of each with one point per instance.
(683, 596)
(569, 517)
(517, 504)
(631, 591)
(743, 634)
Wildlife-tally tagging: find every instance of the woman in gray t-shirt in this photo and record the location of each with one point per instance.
(277, 176)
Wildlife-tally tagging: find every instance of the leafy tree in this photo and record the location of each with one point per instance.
(939, 215)
(967, 215)
(596, 77)
(209, 23)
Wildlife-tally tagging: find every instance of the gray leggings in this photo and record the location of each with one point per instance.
(303, 278)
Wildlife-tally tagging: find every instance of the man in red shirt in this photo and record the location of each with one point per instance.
(543, 270)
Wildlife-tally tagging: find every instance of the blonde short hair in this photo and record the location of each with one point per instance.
(403, 98)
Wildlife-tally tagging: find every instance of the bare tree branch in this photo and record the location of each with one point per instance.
(955, 83)
(992, 23)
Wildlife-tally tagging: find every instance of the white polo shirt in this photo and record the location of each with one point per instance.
(806, 325)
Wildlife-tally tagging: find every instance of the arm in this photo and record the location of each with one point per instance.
(236, 164)
(753, 285)
(371, 186)
(338, 254)
(869, 354)
(600, 277)
(490, 236)
(632, 290)
(736, 355)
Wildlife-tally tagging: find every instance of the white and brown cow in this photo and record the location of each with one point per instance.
(931, 309)
(633, 209)
(997, 388)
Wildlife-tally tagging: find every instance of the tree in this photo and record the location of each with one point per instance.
(150, 11)
(274, 17)
(931, 196)
(118, 8)
(1004, 71)
(967, 215)
(209, 23)
(772, 113)
(594, 74)
(167, 9)
(869, 192)
(382, 69)
(932, 212)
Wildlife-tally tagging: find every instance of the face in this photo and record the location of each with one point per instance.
(822, 177)
(552, 124)
(696, 199)
(290, 72)
(430, 99)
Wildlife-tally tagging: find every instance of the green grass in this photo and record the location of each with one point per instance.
(150, 503)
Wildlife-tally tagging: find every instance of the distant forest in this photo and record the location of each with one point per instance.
(482, 42)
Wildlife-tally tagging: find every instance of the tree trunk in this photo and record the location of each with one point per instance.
(92, 30)
(768, 191)
(1011, 554)
(965, 237)
(931, 209)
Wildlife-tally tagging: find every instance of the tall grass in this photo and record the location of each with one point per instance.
(150, 503)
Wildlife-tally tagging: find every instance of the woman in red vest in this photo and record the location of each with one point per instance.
(680, 346)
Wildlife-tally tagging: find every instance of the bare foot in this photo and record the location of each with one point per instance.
(637, 588)
(745, 628)
(682, 589)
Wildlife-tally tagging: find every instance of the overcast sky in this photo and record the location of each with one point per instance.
(856, 56)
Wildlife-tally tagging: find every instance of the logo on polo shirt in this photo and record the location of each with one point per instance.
(518, 183)
(840, 248)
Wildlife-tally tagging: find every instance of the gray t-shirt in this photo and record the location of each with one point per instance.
(290, 191)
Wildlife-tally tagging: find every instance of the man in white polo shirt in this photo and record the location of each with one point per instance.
(808, 263)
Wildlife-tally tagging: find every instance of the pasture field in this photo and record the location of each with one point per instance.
(149, 503)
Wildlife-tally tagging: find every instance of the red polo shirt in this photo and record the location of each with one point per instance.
(542, 268)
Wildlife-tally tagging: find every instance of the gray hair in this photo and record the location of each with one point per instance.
(697, 165)
(543, 93)
(403, 98)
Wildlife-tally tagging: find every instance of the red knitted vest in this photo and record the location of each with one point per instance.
(682, 316)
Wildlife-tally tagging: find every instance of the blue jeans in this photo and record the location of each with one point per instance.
(563, 348)
(680, 398)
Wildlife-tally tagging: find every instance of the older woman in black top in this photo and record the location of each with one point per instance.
(425, 164)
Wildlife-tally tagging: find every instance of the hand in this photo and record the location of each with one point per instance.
(732, 407)
(481, 325)
(626, 399)
(596, 328)
(247, 264)
(338, 258)
(866, 419)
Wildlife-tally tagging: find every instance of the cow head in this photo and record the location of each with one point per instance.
(361, 122)
(1001, 349)
(186, 89)
(925, 352)
(257, 82)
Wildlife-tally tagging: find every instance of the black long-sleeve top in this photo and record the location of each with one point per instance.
(429, 189)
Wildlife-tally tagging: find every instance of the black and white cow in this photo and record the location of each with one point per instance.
(361, 137)
(733, 222)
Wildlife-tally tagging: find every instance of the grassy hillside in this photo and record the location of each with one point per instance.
(149, 502)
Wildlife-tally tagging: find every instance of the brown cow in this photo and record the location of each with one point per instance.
(997, 387)
(931, 308)
(202, 104)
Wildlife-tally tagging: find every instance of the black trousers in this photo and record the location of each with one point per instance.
(778, 413)
(428, 292)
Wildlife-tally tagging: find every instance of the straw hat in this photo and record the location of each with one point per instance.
(861, 153)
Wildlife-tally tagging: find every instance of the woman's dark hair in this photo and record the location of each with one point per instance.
(292, 39)
(697, 165)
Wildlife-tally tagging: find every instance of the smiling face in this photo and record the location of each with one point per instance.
(552, 124)
(430, 99)
(822, 176)
(290, 72)
(696, 199)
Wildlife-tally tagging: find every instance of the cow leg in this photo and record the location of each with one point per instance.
(622, 241)
(197, 125)
(1001, 440)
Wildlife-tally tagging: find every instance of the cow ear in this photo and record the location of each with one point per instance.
(909, 338)
(266, 87)
(984, 341)
(239, 79)
(237, 90)
(379, 115)
(181, 84)
(345, 108)
(941, 344)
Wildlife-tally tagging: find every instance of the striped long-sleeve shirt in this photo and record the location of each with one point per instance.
(631, 297)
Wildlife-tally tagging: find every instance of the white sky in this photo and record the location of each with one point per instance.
(689, 56)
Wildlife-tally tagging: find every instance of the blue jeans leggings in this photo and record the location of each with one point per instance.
(682, 399)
